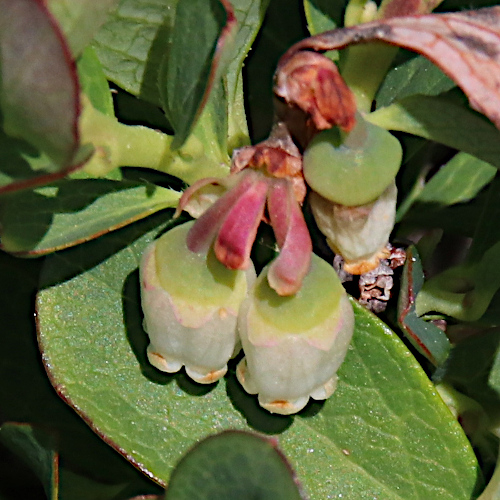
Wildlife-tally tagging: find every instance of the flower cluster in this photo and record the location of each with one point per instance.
(197, 313)
(201, 298)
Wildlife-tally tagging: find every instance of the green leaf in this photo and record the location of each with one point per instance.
(464, 291)
(73, 211)
(93, 82)
(444, 121)
(249, 16)
(197, 56)
(38, 450)
(486, 232)
(79, 21)
(233, 465)
(416, 76)
(39, 93)
(385, 410)
(458, 181)
(322, 15)
(469, 368)
(132, 43)
(427, 338)
(27, 396)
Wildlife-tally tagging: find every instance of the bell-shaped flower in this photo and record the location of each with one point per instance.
(359, 233)
(294, 345)
(190, 303)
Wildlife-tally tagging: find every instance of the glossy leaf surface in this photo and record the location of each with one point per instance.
(197, 55)
(416, 76)
(93, 82)
(90, 469)
(91, 336)
(132, 43)
(459, 180)
(320, 15)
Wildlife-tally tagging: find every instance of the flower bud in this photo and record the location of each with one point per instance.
(359, 234)
(190, 303)
(294, 344)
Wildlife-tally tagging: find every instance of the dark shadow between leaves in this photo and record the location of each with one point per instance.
(257, 418)
(15, 156)
(473, 367)
(460, 219)
(138, 340)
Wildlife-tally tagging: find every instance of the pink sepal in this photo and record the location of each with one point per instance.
(203, 232)
(239, 229)
(287, 271)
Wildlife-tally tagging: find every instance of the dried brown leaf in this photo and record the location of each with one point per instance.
(465, 45)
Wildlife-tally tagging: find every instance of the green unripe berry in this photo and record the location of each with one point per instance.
(352, 169)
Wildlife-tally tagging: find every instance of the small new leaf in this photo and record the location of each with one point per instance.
(427, 338)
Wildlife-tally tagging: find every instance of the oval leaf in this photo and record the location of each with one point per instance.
(54, 217)
(233, 465)
(39, 93)
(465, 45)
(132, 43)
(195, 60)
(384, 412)
(458, 181)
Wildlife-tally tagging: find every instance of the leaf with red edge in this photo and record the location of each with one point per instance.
(427, 338)
(39, 93)
(384, 411)
(234, 464)
(465, 46)
(202, 32)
